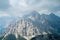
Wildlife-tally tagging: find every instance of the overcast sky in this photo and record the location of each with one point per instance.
(20, 7)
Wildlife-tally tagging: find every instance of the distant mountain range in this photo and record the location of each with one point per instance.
(34, 26)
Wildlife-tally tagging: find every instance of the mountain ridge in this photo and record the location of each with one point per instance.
(34, 24)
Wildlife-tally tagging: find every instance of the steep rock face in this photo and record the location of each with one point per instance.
(25, 28)
(34, 24)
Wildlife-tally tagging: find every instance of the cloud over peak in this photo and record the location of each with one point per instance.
(18, 7)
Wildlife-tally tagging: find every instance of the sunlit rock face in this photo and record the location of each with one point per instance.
(34, 24)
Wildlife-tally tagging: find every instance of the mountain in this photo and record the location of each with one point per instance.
(34, 26)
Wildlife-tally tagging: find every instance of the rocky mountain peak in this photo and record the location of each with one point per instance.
(32, 25)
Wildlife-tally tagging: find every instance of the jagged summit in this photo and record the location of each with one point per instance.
(52, 14)
(34, 13)
(34, 24)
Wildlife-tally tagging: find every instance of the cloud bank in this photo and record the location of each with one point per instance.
(3, 14)
(20, 7)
